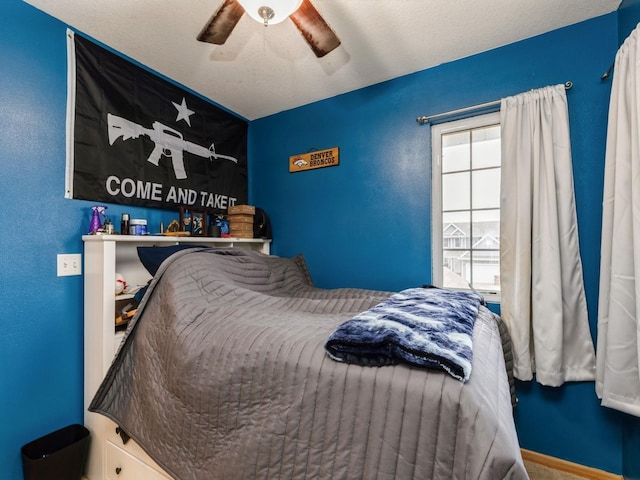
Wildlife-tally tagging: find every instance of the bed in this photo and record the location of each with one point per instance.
(223, 374)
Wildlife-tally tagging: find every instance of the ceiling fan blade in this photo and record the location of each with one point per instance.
(221, 23)
(314, 29)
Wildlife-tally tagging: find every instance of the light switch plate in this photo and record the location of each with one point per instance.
(69, 264)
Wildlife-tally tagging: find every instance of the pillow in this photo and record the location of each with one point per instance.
(300, 261)
(152, 257)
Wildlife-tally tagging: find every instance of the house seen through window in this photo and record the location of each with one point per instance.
(466, 204)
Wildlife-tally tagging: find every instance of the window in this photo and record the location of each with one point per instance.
(466, 204)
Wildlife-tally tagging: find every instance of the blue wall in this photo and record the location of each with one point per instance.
(366, 222)
(41, 336)
(41, 333)
(628, 18)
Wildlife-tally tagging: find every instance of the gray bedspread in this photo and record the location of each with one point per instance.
(223, 375)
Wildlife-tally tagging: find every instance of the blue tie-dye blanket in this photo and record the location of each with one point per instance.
(425, 327)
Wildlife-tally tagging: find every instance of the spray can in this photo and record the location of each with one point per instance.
(124, 224)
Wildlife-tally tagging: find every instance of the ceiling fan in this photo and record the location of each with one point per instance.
(315, 30)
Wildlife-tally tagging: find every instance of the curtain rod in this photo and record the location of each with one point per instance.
(426, 119)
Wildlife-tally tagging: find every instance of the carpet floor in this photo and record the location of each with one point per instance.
(541, 472)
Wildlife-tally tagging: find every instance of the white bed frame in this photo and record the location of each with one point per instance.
(104, 256)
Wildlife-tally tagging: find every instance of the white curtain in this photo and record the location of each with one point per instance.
(617, 377)
(543, 301)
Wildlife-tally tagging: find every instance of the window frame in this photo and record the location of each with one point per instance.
(437, 131)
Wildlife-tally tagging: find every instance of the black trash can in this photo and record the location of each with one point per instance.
(60, 455)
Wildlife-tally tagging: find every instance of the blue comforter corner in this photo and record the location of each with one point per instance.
(424, 327)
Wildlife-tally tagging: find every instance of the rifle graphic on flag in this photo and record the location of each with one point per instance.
(168, 142)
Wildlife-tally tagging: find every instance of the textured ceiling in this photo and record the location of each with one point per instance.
(260, 71)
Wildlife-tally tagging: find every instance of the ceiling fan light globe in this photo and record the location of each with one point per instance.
(281, 9)
(266, 13)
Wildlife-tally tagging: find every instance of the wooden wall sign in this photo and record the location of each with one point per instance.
(316, 159)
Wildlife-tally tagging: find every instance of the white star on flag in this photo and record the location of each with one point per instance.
(183, 112)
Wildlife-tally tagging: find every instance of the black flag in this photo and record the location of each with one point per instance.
(137, 139)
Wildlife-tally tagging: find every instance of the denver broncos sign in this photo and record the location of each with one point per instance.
(315, 159)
